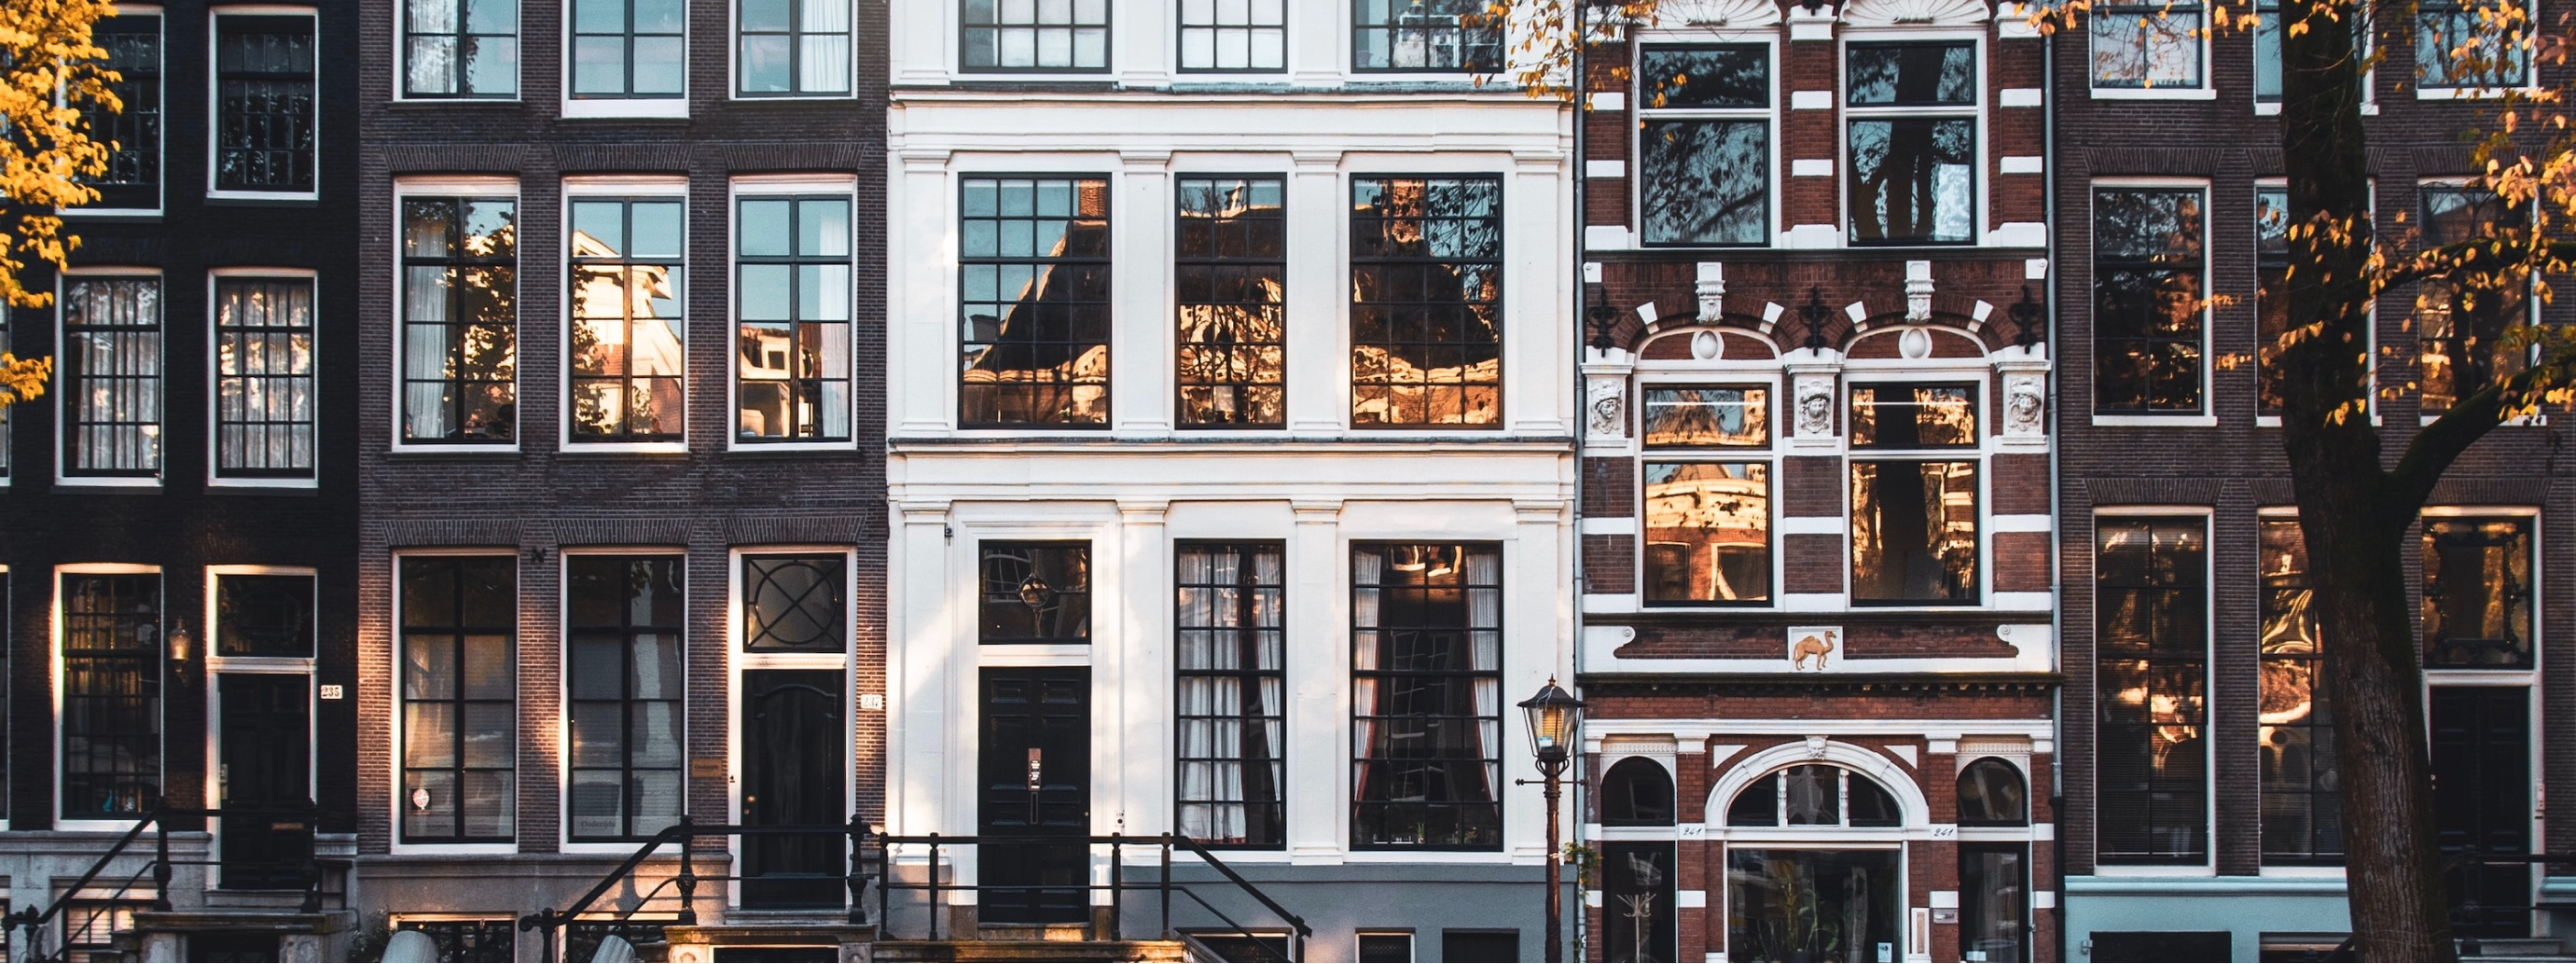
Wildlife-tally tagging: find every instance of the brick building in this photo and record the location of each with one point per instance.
(1816, 587)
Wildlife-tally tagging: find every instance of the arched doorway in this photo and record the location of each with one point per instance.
(1815, 858)
(1637, 875)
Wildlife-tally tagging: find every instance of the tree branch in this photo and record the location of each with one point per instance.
(2476, 254)
(2470, 419)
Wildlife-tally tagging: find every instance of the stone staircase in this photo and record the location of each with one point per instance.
(1082, 952)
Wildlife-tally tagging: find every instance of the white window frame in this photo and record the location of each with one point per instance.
(55, 654)
(562, 668)
(62, 436)
(1774, 232)
(214, 382)
(269, 665)
(457, 187)
(1767, 374)
(393, 802)
(2369, 73)
(1288, 21)
(738, 660)
(2209, 697)
(2201, 35)
(401, 61)
(2207, 417)
(625, 187)
(2531, 65)
(953, 37)
(1977, 112)
(733, 61)
(2262, 184)
(160, 148)
(577, 108)
(755, 186)
(2531, 305)
(214, 99)
(1880, 371)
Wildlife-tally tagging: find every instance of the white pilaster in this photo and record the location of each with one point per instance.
(921, 295)
(1141, 329)
(1537, 204)
(1319, 331)
(1318, 666)
(920, 646)
(1133, 680)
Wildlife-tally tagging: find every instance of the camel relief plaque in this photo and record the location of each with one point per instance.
(1817, 643)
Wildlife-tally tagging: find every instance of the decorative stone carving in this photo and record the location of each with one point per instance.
(1812, 641)
(1708, 345)
(1717, 13)
(1918, 291)
(1712, 292)
(2025, 405)
(1606, 409)
(1815, 406)
(1914, 343)
(1889, 13)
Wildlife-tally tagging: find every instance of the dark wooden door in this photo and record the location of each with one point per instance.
(793, 772)
(1036, 777)
(2482, 804)
(265, 784)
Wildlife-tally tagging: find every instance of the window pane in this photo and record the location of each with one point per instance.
(1913, 181)
(624, 615)
(1426, 625)
(1912, 74)
(2151, 629)
(1425, 35)
(1230, 268)
(1855, 890)
(2477, 592)
(111, 695)
(1427, 290)
(264, 103)
(2467, 43)
(1035, 273)
(1234, 35)
(1230, 649)
(2302, 795)
(132, 180)
(2463, 318)
(264, 390)
(461, 48)
(1708, 532)
(2148, 305)
(460, 707)
(1726, 75)
(1705, 181)
(1909, 415)
(627, 49)
(792, 314)
(264, 616)
(460, 320)
(1914, 533)
(1994, 888)
(629, 353)
(2146, 45)
(794, 602)
(1707, 416)
(111, 376)
(1036, 592)
(1025, 35)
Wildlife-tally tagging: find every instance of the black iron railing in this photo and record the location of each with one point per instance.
(83, 896)
(685, 833)
(934, 886)
(2492, 895)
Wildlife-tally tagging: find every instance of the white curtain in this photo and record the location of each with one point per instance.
(1366, 569)
(1484, 568)
(825, 37)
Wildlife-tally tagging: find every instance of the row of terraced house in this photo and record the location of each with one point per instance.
(850, 479)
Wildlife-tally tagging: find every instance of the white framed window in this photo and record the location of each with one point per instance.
(792, 48)
(793, 302)
(265, 407)
(2271, 300)
(2461, 322)
(460, 50)
(1706, 144)
(1705, 479)
(1912, 157)
(132, 182)
(2149, 48)
(625, 617)
(626, 58)
(456, 696)
(1424, 36)
(1033, 36)
(2475, 48)
(2150, 302)
(2267, 60)
(1916, 488)
(259, 641)
(109, 652)
(1234, 36)
(266, 141)
(2152, 625)
(626, 351)
(109, 371)
(456, 297)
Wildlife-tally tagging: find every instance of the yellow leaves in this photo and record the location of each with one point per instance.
(23, 378)
(52, 76)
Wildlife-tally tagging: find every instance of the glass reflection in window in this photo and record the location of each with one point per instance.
(1993, 794)
(2151, 611)
(2473, 44)
(1708, 532)
(1679, 417)
(1034, 272)
(1913, 178)
(264, 401)
(1425, 35)
(1914, 533)
(1814, 795)
(1427, 301)
(1812, 905)
(2148, 308)
(792, 318)
(1230, 270)
(2477, 592)
(1994, 888)
(2144, 46)
(2463, 318)
(1705, 144)
(623, 619)
(629, 330)
(1036, 592)
(460, 334)
(2302, 799)
(1908, 415)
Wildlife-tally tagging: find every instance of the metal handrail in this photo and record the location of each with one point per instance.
(934, 885)
(686, 831)
(34, 920)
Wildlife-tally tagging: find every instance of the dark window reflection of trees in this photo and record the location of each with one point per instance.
(1230, 279)
(1034, 275)
(2148, 300)
(460, 320)
(2302, 797)
(2151, 611)
(2477, 592)
(2462, 318)
(1427, 302)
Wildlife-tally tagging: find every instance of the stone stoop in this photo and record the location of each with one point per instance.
(189, 935)
(1081, 952)
(786, 939)
(2520, 949)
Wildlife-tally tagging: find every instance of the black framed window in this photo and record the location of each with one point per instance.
(1034, 277)
(1708, 520)
(264, 615)
(1914, 538)
(264, 103)
(111, 376)
(464, 49)
(2149, 308)
(2478, 592)
(1913, 170)
(629, 49)
(1247, 36)
(630, 342)
(132, 181)
(2267, 51)
(1232, 695)
(1425, 35)
(1230, 267)
(1034, 35)
(1636, 792)
(1426, 696)
(793, 48)
(460, 699)
(111, 685)
(1385, 947)
(485, 940)
(265, 404)
(1994, 902)
(1704, 144)
(2473, 44)
(460, 320)
(1992, 793)
(1034, 592)
(792, 299)
(623, 622)
(2302, 795)
(795, 603)
(1914, 415)
(2462, 319)
(1427, 302)
(2151, 637)
(2146, 46)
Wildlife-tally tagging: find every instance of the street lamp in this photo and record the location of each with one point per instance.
(1555, 719)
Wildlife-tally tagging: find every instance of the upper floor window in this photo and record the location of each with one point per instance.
(1708, 518)
(1065, 35)
(111, 694)
(1234, 35)
(132, 181)
(1034, 302)
(264, 103)
(2478, 592)
(1426, 696)
(2148, 302)
(1913, 170)
(630, 348)
(2267, 52)
(794, 48)
(2271, 291)
(1704, 144)
(623, 619)
(1427, 293)
(461, 49)
(1425, 35)
(2151, 633)
(629, 49)
(2145, 46)
(2462, 320)
(460, 322)
(459, 699)
(1230, 268)
(2473, 44)
(1914, 520)
(1035, 592)
(265, 404)
(792, 299)
(111, 376)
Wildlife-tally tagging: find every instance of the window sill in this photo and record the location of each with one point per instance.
(455, 849)
(2155, 421)
(129, 214)
(78, 485)
(2527, 420)
(639, 108)
(2154, 93)
(2272, 108)
(457, 449)
(278, 198)
(2472, 93)
(740, 447)
(576, 447)
(414, 100)
(263, 486)
(740, 97)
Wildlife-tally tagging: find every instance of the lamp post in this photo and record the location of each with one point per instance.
(1555, 717)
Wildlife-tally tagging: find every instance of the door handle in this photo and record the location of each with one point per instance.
(1037, 780)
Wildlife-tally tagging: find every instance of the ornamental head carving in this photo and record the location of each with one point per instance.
(2025, 405)
(1606, 409)
(1815, 406)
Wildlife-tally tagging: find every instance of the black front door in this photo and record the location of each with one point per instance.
(2482, 804)
(265, 780)
(1036, 775)
(792, 763)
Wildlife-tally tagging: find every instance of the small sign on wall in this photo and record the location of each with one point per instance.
(333, 691)
(1816, 644)
(707, 768)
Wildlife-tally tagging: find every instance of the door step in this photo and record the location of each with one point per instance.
(779, 941)
(1074, 951)
(2519, 949)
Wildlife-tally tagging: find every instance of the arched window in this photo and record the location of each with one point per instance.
(1991, 794)
(1636, 793)
(1814, 795)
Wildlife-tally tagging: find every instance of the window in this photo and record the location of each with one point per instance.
(1708, 523)
(2151, 631)
(1852, 895)
(1035, 592)
(1914, 521)
(1637, 792)
(264, 396)
(792, 329)
(460, 704)
(795, 603)
(1425, 35)
(132, 181)
(1994, 889)
(1231, 268)
(1993, 794)
(111, 686)
(1233, 693)
(1035, 35)
(630, 350)
(1637, 890)
(1815, 795)
(2473, 44)
(794, 48)
(1388, 948)
(623, 621)
(465, 49)
(493, 940)
(1234, 35)
(111, 377)
(2463, 319)
(1913, 170)
(2271, 291)
(264, 615)
(2148, 306)
(2477, 592)
(2302, 797)
(1426, 696)
(460, 332)
(629, 49)
(1704, 144)
(264, 104)
(1427, 293)
(2141, 46)
(1034, 274)
(2267, 53)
